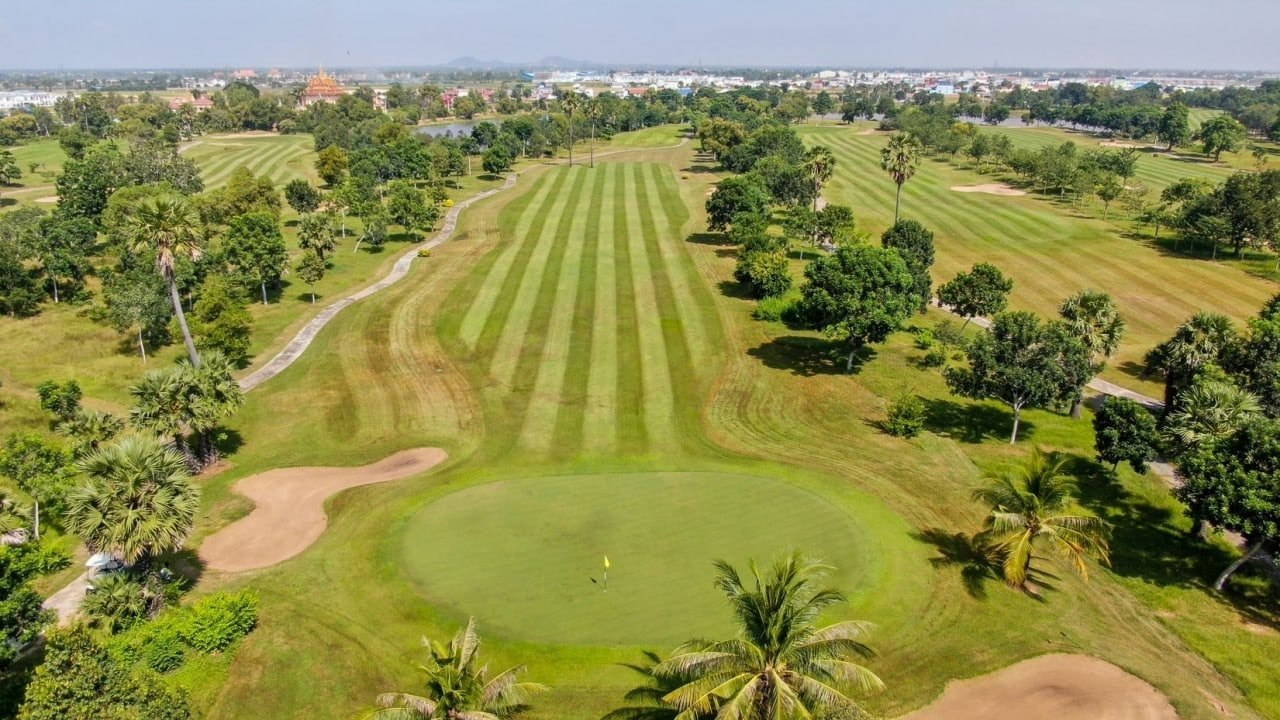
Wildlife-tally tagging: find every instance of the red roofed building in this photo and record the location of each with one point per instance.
(201, 103)
(321, 88)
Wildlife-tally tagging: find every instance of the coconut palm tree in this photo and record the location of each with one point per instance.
(168, 227)
(138, 502)
(781, 665)
(1093, 318)
(1029, 507)
(819, 163)
(645, 701)
(570, 102)
(458, 687)
(899, 158)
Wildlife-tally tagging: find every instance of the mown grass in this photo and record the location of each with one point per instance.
(280, 158)
(587, 338)
(1050, 248)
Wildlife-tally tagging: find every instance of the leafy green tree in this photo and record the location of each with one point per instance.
(254, 247)
(1175, 126)
(496, 160)
(899, 158)
(1095, 319)
(1221, 133)
(1231, 485)
(1032, 506)
(220, 320)
(134, 303)
(63, 249)
(835, 225)
(735, 195)
(1124, 431)
(80, 680)
(781, 664)
(981, 292)
(408, 207)
(311, 269)
(138, 502)
(62, 400)
(41, 469)
(22, 617)
(331, 165)
(823, 103)
(458, 686)
(85, 184)
(10, 173)
(764, 273)
(167, 227)
(1108, 189)
(915, 243)
(375, 227)
(301, 196)
(1022, 362)
(858, 294)
(787, 182)
(316, 233)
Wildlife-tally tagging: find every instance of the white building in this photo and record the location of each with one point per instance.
(16, 99)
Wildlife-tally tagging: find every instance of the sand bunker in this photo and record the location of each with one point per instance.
(988, 188)
(1063, 687)
(1120, 144)
(48, 199)
(868, 131)
(289, 513)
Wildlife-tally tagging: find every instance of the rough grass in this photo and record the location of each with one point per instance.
(1050, 248)
(585, 338)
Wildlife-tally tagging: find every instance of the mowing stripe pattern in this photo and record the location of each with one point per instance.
(589, 318)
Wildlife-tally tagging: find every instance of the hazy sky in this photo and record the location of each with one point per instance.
(1240, 34)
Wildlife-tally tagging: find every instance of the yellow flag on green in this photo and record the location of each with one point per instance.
(606, 562)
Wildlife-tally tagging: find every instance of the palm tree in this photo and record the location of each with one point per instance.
(167, 226)
(593, 112)
(139, 501)
(1093, 318)
(646, 701)
(176, 400)
(819, 163)
(90, 429)
(13, 516)
(458, 687)
(1029, 507)
(1196, 343)
(570, 102)
(116, 602)
(1211, 409)
(781, 665)
(899, 159)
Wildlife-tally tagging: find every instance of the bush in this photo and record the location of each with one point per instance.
(774, 308)
(936, 357)
(765, 274)
(216, 621)
(906, 416)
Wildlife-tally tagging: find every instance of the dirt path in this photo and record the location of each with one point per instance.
(989, 189)
(66, 602)
(289, 508)
(1062, 687)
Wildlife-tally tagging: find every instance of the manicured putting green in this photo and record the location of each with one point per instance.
(520, 555)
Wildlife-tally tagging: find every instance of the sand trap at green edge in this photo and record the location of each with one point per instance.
(521, 555)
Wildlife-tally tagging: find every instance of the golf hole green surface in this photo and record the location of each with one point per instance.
(525, 556)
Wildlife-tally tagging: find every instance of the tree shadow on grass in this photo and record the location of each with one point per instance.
(978, 561)
(710, 238)
(809, 356)
(1152, 542)
(972, 422)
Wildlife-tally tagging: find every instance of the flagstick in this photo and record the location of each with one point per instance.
(606, 581)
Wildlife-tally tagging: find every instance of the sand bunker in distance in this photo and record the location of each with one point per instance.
(1062, 687)
(988, 188)
(289, 508)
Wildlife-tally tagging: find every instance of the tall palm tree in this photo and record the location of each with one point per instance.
(1210, 409)
(819, 163)
(176, 400)
(593, 112)
(168, 227)
(1195, 344)
(1030, 506)
(139, 501)
(1093, 318)
(781, 666)
(570, 102)
(458, 687)
(899, 158)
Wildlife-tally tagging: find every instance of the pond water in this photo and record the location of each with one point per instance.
(453, 129)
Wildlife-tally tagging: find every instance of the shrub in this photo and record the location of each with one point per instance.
(936, 357)
(216, 621)
(906, 416)
(765, 274)
(774, 308)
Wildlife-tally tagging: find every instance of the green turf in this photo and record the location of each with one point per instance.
(525, 556)
(279, 157)
(1050, 248)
